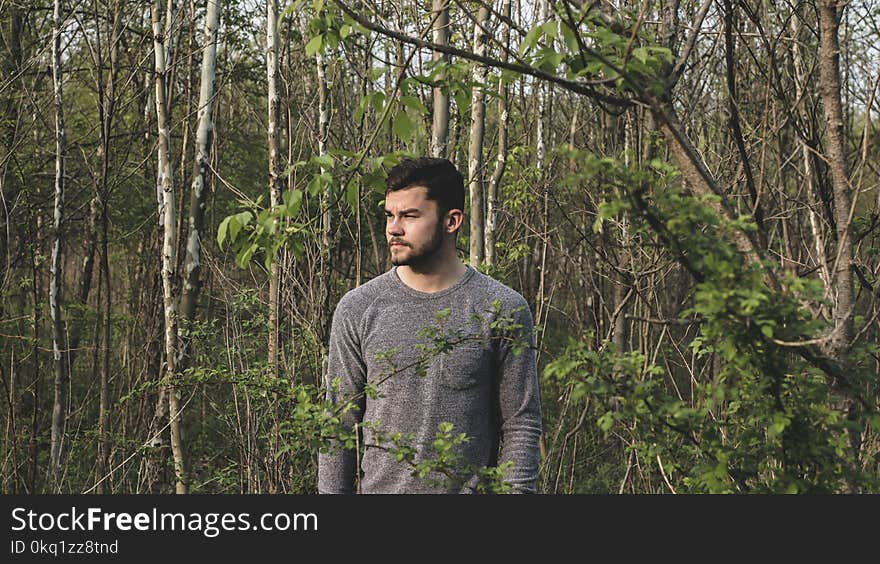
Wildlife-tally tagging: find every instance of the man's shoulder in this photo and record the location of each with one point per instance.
(356, 300)
(497, 290)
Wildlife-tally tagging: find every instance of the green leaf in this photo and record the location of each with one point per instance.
(289, 10)
(292, 201)
(314, 185)
(324, 161)
(375, 181)
(403, 126)
(360, 109)
(377, 100)
(221, 231)
(351, 194)
(569, 38)
(641, 54)
(606, 38)
(662, 53)
(548, 60)
(238, 221)
(530, 39)
(414, 103)
(462, 99)
(314, 45)
(355, 26)
(606, 421)
(244, 256)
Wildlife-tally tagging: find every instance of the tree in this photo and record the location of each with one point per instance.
(59, 410)
(475, 147)
(167, 217)
(440, 127)
(274, 174)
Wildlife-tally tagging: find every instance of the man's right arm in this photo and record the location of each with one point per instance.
(337, 468)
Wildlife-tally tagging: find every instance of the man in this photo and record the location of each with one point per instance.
(476, 370)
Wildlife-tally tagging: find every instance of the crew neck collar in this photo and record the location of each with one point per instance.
(468, 273)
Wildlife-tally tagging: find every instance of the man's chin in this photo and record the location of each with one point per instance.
(399, 260)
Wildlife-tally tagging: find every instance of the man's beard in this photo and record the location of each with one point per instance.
(418, 257)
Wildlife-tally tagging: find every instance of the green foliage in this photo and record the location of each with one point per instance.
(767, 421)
(327, 26)
(441, 464)
(332, 178)
(618, 50)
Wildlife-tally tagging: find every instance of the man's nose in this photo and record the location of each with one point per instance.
(394, 227)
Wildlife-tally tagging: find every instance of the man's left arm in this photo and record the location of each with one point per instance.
(519, 403)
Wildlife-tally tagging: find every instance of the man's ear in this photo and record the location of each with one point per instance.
(453, 220)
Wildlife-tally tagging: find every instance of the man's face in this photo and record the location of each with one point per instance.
(413, 227)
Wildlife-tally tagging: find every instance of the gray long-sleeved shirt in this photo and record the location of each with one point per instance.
(484, 386)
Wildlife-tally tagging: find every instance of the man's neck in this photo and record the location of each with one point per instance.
(435, 277)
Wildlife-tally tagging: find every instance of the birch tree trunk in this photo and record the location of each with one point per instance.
(543, 102)
(813, 206)
(169, 235)
(150, 469)
(440, 126)
(59, 354)
(539, 253)
(192, 283)
(475, 144)
(323, 132)
(274, 176)
(501, 155)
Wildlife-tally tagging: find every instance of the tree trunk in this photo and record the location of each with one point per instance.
(323, 133)
(192, 282)
(843, 295)
(106, 103)
(59, 354)
(534, 265)
(829, 88)
(169, 260)
(440, 127)
(37, 381)
(274, 177)
(813, 206)
(475, 144)
(501, 155)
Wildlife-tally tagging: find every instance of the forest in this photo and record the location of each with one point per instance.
(686, 192)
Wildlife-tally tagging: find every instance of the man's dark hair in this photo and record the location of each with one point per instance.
(444, 183)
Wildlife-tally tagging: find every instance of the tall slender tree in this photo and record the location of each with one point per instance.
(167, 216)
(475, 142)
(274, 175)
(501, 153)
(192, 282)
(844, 197)
(440, 127)
(59, 352)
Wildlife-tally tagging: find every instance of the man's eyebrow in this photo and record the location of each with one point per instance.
(407, 210)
